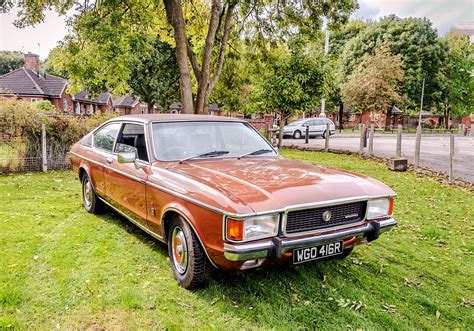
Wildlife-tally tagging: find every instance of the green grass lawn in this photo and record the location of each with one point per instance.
(63, 268)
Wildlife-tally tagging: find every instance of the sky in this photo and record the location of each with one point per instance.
(443, 13)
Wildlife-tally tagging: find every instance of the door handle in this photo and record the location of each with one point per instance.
(109, 160)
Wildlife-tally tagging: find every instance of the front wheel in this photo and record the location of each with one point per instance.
(325, 133)
(297, 134)
(187, 257)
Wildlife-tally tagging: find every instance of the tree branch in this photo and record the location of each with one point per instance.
(223, 44)
(193, 60)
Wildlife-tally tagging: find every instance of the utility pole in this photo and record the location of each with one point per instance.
(326, 51)
(421, 102)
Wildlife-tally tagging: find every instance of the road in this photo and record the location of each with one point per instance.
(434, 150)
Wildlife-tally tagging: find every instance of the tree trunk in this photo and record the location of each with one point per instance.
(280, 132)
(150, 105)
(206, 57)
(388, 118)
(445, 117)
(174, 15)
(341, 116)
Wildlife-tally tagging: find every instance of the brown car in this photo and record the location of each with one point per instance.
(219, 194)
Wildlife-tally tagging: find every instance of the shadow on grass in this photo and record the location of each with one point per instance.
(281, 295)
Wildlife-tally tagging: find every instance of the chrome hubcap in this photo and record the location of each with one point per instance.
(87, 193)
(180, 250)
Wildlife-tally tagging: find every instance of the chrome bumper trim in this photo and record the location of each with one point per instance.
(277, 246)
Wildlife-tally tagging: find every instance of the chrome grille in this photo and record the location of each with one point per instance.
(312, 219)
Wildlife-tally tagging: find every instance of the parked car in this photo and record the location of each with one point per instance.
(220, 196)
(317, 128)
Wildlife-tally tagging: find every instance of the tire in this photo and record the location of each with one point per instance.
(345, 253)
(188, 260)
(297, 134)
(91, 202)
(325, 133)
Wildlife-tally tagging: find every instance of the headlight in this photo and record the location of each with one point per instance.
(379, 208)
(252, 228)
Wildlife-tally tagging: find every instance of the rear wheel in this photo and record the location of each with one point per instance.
(325, 133)
(187, 257)
(297, 134)
(91, 202)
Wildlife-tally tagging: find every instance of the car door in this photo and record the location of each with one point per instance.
(312, 127)
(125, 182)
(102, 143)
(319, 127)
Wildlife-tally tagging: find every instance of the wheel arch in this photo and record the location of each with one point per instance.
(167, 216)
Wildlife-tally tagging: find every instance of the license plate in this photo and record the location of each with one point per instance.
(311, 253)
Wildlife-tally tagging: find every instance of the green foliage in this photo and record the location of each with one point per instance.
(458, 83)
(154, 73)
(374, 84)
(418, 44)
(10, 61)
(64, 268)
(44, 106)
(22, 121)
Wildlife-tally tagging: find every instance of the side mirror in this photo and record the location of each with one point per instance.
(126, 157)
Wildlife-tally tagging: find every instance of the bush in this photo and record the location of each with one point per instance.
(43, 105)
(21, 121)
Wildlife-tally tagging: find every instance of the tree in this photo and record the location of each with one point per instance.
(374, 84)
(458, 77)
(155, 75)
(418, 44)
(294, 86)
(199, 27)
(10, 61)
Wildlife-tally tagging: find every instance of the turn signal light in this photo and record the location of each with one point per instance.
(390, 208)
(235, 229)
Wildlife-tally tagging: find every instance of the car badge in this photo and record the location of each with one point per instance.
(327, 216)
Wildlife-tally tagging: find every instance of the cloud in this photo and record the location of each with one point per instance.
(443, 13)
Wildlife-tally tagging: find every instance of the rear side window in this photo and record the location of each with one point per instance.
(105, 137)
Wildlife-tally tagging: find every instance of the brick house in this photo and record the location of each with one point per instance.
(129, 104)
(28, 84)
(84, 105)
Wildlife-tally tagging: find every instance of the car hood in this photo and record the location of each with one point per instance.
(259, 184)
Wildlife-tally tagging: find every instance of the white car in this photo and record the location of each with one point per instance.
(317, 127)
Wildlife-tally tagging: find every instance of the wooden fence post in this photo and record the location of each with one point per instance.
(328, 133)
(371, 140)
(361, 143)
(472, 130)
(463, 129)
(417, 146)
(451, 155)
(399, 141)
(44, 153)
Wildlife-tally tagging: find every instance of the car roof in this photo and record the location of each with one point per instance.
(147, 118)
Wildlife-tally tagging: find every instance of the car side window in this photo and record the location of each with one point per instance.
(132, 139)
(105, 137)
(319, 122)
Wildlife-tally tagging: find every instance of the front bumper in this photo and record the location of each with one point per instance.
(277, 246)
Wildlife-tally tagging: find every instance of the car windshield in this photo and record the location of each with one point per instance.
(174, 141)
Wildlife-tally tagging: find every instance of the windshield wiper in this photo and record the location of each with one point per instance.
(207, 154)
(257, 152)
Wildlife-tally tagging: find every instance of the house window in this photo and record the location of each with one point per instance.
(65, 104)
(78, 109)
(352, 117)
(143, 109)
(33, 100)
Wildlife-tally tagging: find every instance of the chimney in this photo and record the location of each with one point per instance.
(32, 62)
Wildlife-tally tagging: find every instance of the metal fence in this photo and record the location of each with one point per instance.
(451, 153)
(22, 154)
